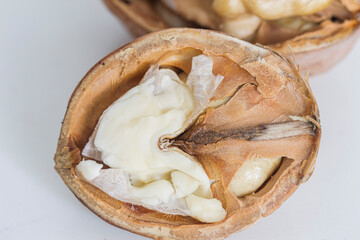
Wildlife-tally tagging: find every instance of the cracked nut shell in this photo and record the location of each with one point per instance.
(263, 107)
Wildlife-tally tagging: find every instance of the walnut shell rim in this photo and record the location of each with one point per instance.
(124, 67)
(316, 52)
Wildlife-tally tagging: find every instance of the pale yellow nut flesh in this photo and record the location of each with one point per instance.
(252, 174)
(154, 177)
(243, 27)
(228, 8)
(184, 184)
(242, 18)
(276, 9)
(205, 210)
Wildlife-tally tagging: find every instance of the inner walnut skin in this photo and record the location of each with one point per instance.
(251, 108)
(259, 89)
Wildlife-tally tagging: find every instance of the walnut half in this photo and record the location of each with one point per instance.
(319, 32)
(248, 135)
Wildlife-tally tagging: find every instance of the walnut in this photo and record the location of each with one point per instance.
(320, 33)
(246, 125)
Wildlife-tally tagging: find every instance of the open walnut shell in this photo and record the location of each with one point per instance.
(316, 51)
(263, 107)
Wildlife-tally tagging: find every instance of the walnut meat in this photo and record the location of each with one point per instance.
(255, 136)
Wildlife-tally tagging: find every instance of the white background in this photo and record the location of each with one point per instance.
(46, 47)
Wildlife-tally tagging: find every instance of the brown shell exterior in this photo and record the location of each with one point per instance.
(315, 52)
(237, 61)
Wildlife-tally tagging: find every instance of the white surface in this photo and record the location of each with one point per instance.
(46, 47)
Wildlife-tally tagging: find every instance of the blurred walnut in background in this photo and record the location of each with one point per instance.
(319, 32)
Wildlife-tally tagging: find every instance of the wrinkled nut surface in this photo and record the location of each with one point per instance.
(253, 174)
(275, 9)
(255, 138)
(134, 146)
(320, 33)
(242, 18)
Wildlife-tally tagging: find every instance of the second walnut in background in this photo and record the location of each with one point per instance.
(319, 32)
